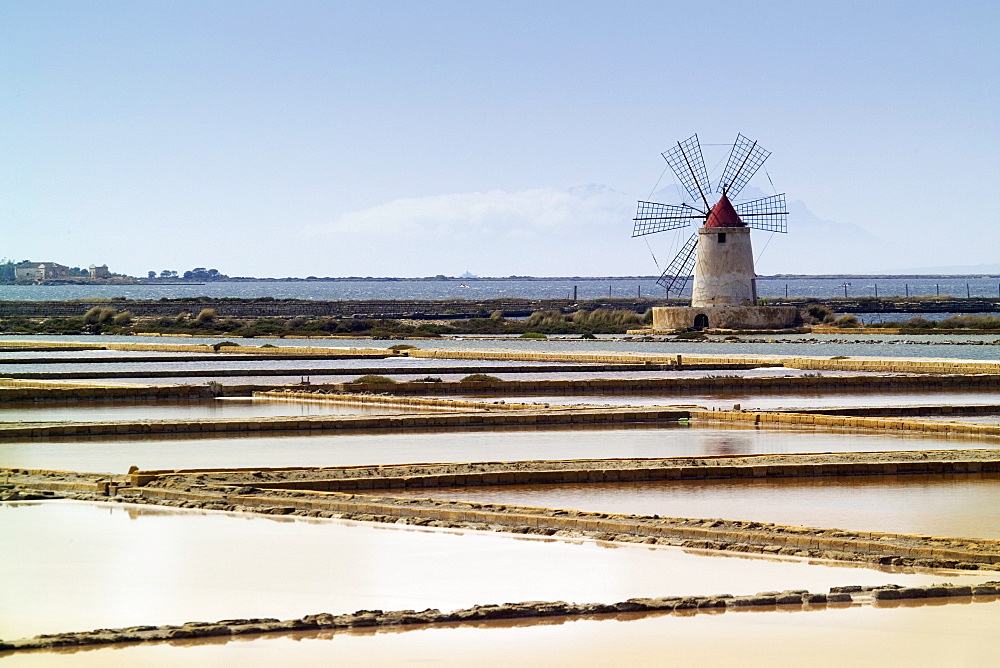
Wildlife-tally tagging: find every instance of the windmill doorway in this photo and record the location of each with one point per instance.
(701, 321)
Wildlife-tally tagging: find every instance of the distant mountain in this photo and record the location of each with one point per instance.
(812, 245)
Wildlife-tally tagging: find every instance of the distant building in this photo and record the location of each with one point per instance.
(39, 271)
(99, 272)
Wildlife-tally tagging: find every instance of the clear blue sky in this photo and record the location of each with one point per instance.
(417, 138)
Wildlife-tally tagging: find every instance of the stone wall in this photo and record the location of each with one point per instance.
(666, 319)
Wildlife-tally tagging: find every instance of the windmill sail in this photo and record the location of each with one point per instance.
(744, 161)
(677, 273)
(768, 213)
(652, 217)
(688, 164)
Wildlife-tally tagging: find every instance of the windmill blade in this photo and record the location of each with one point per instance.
(652, 217)
(744, 161)
(768, 213)
(688, 164)
(676, 275)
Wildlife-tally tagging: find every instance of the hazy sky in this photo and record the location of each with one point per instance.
(417, 138)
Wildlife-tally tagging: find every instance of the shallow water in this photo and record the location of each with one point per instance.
(212, 363)
(81, 566)
(944, 505)
(184, 410)
(923, 634)
(896, 346)
(583, 374)
(116, 455)
(749, 400)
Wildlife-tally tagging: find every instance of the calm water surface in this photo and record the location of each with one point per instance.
(956, 634)
(116, 455)
(869, 345)
(965, 506)
(471, 288)
(771, 400)
(183, 410)
(82, 566)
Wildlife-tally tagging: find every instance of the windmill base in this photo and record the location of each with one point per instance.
(673, 318)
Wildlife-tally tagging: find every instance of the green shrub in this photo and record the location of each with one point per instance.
(533, 335)
(269, 345)
(372, 379)
(817, 313)
(402, 346)
(206, 316)
(428, 379)
(846, 320)
(918, 323)
(123, 318)
(970, 322)
(222, 344)
(480, 378)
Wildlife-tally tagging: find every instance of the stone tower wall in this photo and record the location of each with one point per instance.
(723, 271)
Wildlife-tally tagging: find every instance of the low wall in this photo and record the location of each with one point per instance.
(598, 386)
(675, 318)
(643, 474)
(812, 363)
(383, 400)
(770, 419)
(19, 431)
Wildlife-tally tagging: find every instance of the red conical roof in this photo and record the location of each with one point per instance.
(724, 215)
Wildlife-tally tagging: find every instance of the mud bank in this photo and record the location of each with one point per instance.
(266, 491)
(784, 601)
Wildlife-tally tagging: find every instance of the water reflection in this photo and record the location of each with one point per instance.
(917, 634)
(966, 505)
(81, 566)
(116, 454)
(723, 443)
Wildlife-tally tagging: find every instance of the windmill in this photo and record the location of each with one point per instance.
(719, 252)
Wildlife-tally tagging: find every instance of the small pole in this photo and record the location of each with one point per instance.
(574, 293)
(938, 287)
(876, 291)
(786, 290)
(968, 293)
(640, 291)
(845, 290)
(907, 289)
(609, 292)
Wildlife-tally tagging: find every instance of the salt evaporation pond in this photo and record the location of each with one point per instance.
(919, 633)
(321, 378)
(767, 400)
(952, 346)
(937, 505)
(185, 410)
(117, 454)
(81, 566)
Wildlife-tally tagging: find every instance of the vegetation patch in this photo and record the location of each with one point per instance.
(480, 378)
(372, 379)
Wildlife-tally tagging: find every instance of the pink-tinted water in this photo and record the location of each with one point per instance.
(925, 634)
(117, 454)
(948, 505)
(71, 566)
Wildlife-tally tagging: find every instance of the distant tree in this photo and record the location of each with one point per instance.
(6, 270)
(168, 273)
(188, 274)
(213, 273)
(152, 274)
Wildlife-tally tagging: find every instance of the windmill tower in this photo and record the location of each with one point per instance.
(719, 253)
